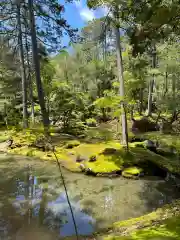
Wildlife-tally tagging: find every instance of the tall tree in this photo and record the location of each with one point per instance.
(40, 91)
(115, 9)
(121, 77)
(23, 70)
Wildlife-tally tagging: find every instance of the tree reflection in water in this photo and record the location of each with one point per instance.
(40, 210)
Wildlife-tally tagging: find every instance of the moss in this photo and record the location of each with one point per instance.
(103, 166)
(138, 144)
(132, 171)
(167, 211)
(103, 163)
(169, 229)
(164, 223)
(72, 144)
(3, 138)
(106, 161)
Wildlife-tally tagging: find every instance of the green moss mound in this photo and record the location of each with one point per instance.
(72, 144)
(132, 172)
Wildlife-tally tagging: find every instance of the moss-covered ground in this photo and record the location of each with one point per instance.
(162, 224)
(109, 156)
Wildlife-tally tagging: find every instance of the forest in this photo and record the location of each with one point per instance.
(106, 105)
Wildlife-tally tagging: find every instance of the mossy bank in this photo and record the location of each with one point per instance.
(162, 224)
(105, 158)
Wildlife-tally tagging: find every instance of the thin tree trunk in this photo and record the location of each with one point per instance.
(141, 101)
(121, 81)
(29, 71)
(151, 84)
(6, 116)
(30, 89)
(174, 114)
(40, 91)
(166, 82)
(23, 71)
(151, 87)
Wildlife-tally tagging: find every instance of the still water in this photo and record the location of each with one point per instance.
(33, 203)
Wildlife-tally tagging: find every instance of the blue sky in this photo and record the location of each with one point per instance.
(77, 14)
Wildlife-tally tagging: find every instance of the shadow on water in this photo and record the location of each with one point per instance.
(33, 203)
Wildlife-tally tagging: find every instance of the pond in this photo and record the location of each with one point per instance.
(33, 203)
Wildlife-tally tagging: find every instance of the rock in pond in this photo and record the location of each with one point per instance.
(87, 171)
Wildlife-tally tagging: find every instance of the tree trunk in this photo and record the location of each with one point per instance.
(141, 101)
(40, 91)
(174, 113)
(30, 86)
(151, 87)
(30, 80)
(121, 81)
(151, 84)
(23, 71)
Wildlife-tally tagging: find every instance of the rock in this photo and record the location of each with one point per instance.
(143, 125)
(109, 175)
(150, 145)
(82, 167)
(9, 142)
(6, 144)
(92, 158)
(88, 171)
(80, 158)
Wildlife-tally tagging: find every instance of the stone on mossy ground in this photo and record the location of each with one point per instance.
(72, 144)
(80, 158)
(92, 158)
(132, 172)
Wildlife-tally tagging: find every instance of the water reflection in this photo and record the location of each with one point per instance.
(40, 205)
(33, 204)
